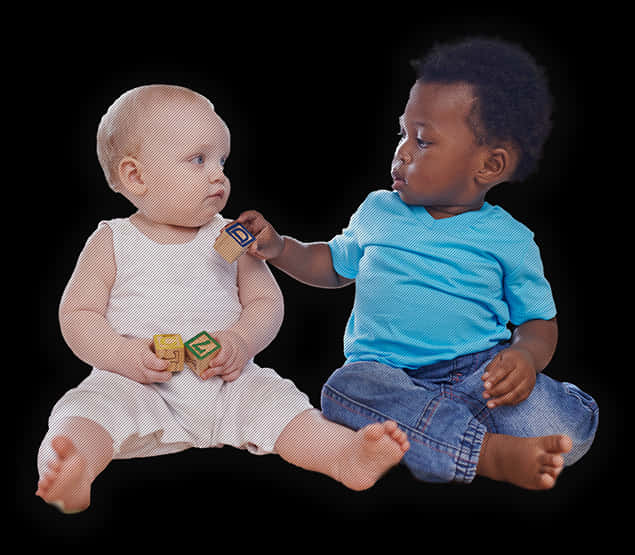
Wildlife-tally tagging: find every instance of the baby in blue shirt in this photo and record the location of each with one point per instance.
(440, 277)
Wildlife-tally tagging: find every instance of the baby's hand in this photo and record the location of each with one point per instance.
(139, 363)
(231, 359)
(268, 243)
(509, 378)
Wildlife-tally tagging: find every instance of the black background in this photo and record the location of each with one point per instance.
(312, 102)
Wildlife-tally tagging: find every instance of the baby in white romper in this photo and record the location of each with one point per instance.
(164, 147)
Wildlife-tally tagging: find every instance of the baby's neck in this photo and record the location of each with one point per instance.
(165, 234)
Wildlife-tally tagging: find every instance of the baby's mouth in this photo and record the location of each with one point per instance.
(399, 181)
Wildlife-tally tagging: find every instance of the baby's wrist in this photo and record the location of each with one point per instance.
(527, 354)
(240, 341)
(282, 246)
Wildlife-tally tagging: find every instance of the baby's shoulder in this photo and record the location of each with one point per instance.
(101, 239)
(381, 197)
(502, 222)
(382, 202)
(98, 255)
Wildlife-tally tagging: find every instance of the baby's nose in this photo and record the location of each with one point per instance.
(402, 153)
(217, 176)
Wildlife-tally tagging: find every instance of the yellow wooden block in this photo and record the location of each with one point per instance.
(200, 350)
(233, 241)
(169, 346)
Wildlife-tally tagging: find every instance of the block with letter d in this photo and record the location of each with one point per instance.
(233, 241)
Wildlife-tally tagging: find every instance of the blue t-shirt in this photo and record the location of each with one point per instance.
(431, 290)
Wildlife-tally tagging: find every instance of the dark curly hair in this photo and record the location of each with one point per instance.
(513, 100)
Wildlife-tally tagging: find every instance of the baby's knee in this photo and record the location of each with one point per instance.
(582, 418)
(348, 396)
(367, 380)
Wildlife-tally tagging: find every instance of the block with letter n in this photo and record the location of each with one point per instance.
(200, 350)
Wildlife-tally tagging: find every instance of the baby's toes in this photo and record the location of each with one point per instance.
(546, 481)
(399, 436)
(373, 432)
(551, 461)
(44, 484)
(54, 466)
(557, 444)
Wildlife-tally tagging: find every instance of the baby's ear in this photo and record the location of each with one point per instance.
(130, 176)
(498, 166)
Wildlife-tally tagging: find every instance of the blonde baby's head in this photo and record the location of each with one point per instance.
(164, 147)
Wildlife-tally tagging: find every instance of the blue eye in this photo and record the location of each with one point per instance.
(199, 159)
(222, 161)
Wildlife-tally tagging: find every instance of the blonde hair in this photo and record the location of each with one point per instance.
(119, 131)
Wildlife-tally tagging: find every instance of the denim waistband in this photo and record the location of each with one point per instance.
(467, 363)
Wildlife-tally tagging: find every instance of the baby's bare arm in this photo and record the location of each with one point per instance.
(83, 321)
(262, 302)
(310, 263)
(260, 320)
(539, 338)
(83, 307)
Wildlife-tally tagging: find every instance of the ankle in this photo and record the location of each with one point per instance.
(488, 461)
(92, 442)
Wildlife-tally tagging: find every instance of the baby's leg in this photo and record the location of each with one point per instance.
(449, 443)
(70, 458)
(553, 407)
(534, 439)
(268, 414)
(356, 459)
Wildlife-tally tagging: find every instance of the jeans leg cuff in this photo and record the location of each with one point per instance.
(468, 455)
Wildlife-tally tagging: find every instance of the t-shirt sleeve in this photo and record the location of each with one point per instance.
(527, 291)
(346, 251)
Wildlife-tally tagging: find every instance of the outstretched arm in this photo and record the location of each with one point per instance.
(310, 263)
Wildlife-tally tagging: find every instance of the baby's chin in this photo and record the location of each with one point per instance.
(199, 219)
(195, 222)
(409, 200)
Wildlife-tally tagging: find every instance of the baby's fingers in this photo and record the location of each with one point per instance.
(228, 371)
(153, 362)
(218, 363)
(155, 368)
(502, 387)
(253, 220)
(500, 394)
(496, 371)
(512, 397)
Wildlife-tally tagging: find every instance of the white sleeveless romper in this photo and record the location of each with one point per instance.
(185, 289)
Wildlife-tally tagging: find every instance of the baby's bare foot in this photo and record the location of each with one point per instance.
(528, 462)
(374, 450)
(67, 483)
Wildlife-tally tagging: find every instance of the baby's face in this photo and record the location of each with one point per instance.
(437, 156)
(183, 152)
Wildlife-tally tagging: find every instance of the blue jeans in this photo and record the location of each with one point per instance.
(442, 410)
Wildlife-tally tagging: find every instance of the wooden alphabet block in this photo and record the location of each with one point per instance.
(233, 241)
(200, 350)
(170, 347)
